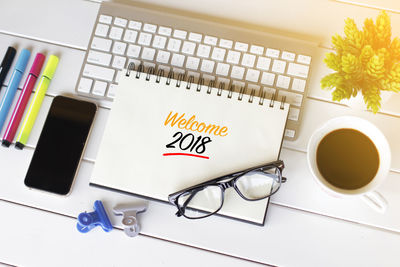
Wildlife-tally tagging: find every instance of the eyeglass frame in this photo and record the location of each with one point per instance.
(173, 198)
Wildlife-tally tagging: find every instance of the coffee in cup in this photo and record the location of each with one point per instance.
(350, 156)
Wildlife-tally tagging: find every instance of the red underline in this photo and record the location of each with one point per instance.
(185, 154)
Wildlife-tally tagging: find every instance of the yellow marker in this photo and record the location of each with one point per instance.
(34, 107)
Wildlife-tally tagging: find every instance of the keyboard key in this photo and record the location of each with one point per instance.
(272, 53)
(263, 63)
(163, 56)
(101, 30)
(118, 76)
(116, 33)
(290, 133)
(195, 75)
(268, 78)
(292, 98)
(252, 75)
(250, 87)
(178, 71)
(207, 65)
(203, 50)
(164, 31)
(188, 47)
(278, 66)
(211, 40)
(195, 37)
(222, 69)
(119, 62)
(144, 38)
(180, 34)
(298, 70)
(288, 56)
(101, 44)
(130, 36)
(224, 83)
(218, 54)
(283, 81)
(149, 28)
(255, 49)
(133, 51)
(269, 92)
(241, 46)
(148, 53)
(85, 85)
(237, 72)
(225, 43)
(136, 25)
(148, 65)
(99, 88)
(120, 22)
(294, 114)
(105, 19)
(166, 69)
(177, 60)
(248, 60)
(233, 57)
(97, 72)
(298, 85)
(304, 59)
(192, 63)
(238, 84)
(174, 45)
(99, 58)
(119, 48)
(159, 41)
(111, 90)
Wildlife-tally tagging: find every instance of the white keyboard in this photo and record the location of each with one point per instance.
(216, 52)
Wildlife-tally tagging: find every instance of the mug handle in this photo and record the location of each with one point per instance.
(375, 200)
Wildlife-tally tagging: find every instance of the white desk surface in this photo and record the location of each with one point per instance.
(304, 226)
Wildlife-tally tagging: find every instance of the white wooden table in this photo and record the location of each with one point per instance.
(304, 226)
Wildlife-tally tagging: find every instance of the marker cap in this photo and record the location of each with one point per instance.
(51, 67)
(8, 58)
(23, 60)
(37, 64)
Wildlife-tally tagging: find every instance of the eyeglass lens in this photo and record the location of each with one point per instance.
(208, 200)
(259, 184)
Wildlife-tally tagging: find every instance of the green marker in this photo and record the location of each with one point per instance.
(34, 107)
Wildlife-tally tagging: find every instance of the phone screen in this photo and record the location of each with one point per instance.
(61, 144)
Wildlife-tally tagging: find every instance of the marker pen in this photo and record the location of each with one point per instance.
(37, 100)
(12, 87)
(23, 100)
(6, 63)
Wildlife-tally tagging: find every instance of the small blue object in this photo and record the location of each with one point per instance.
(87, 221)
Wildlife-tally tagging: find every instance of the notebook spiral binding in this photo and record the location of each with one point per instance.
(212, 84)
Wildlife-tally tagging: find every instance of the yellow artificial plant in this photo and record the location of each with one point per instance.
(365, 61)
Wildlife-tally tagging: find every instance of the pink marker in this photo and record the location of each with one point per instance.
(23, 100)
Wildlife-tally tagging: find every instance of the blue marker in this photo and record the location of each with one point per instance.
(13, 84)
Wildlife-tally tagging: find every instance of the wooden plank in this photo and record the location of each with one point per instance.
(61, 244)
(308, 238)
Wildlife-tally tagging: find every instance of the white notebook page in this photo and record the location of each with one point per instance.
(134, 157)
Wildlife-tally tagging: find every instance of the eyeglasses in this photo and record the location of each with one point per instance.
(207, 198)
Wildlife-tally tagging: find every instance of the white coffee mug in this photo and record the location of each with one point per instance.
(367, 192)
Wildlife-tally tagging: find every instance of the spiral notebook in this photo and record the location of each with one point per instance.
(164, 135)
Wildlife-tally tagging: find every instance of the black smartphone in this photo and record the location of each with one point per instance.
(61, 144)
